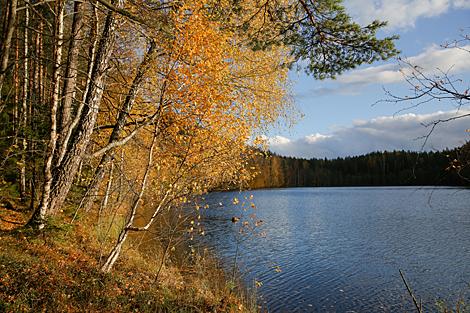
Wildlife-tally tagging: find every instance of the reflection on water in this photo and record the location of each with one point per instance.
(339, 249)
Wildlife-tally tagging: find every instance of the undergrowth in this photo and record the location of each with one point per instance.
(57, 270)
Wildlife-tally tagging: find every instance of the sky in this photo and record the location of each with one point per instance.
(348, 117)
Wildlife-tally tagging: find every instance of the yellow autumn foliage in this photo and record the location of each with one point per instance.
(214, 95)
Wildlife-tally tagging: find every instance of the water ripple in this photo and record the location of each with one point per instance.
(339, 249)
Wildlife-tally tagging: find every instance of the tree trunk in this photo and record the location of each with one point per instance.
(36, 98)
(64, 174)
(123, 115)
(5, 53)
(24, 109)
(108, 187)
(91, 66)
(39, 215)
(5, 24)
(113, 256)
(40, 40)
(70, 80)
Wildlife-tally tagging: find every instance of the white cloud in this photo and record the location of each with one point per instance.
(401, 14)
(383, 133)
(433, 60)
(279, 140)
(462, 4)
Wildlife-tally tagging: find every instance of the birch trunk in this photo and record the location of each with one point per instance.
(113, 256)
(70, 79)
(91, 65)
(123, 115)
(108, 187)
(24, 109)
(36, 98)
(42, 210)
(65, 173)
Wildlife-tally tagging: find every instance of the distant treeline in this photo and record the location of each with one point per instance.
(397, 168)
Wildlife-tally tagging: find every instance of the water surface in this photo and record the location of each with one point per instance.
(339, 249)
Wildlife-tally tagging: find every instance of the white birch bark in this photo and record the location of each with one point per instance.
(115, 252)
(42, 210)
(24, 108)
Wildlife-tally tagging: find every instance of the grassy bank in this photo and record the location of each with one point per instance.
(57, 270)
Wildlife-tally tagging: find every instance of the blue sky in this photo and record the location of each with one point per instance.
(340, 116)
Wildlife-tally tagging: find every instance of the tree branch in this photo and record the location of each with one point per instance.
(125, 139)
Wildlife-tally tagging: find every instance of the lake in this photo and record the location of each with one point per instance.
(339, 249)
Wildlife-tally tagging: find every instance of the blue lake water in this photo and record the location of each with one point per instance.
(339, 249)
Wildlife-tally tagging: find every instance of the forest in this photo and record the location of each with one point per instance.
(395, 168)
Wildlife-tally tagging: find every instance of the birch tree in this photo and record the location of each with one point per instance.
(220, 74)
